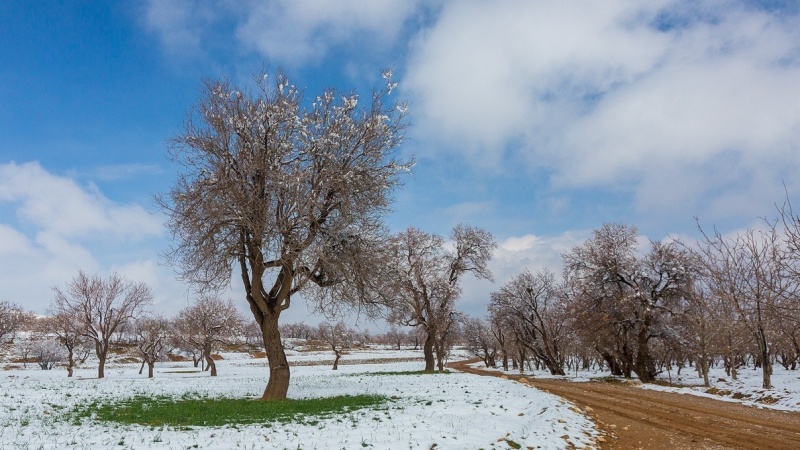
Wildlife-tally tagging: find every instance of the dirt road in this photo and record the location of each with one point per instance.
(633, 418)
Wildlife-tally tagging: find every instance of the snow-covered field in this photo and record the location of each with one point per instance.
(784, 395)
(455, 411)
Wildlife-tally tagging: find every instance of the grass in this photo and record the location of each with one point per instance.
(189, 412)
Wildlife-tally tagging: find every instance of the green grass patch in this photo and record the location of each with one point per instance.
(190, 412)
(415, 372)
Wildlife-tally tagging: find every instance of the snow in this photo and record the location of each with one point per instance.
(453, 411)
(747, 389)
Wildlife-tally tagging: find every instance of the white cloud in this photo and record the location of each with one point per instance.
(60, 206)
(179, 24)
(652, 97)
(55, 227)
(296, 32)
(284, 31)
(512, 256)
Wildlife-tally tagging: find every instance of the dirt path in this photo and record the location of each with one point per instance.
(633, 418)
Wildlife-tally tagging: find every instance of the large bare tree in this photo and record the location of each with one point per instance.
(627, 295)
(101, 306)
(209, 323)
(292, 191)
(422, 281)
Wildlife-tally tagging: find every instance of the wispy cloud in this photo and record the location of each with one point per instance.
(125, 171)
(180, 25)
(284, 31)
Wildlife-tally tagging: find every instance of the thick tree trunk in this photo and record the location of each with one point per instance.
(336, 361)
(644, 367)
(278, 384)
(613, 364)
(212, 366)
(150, 369)
(101, 350)
(427, 350)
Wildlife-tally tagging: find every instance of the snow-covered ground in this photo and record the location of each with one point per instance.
(454, 411)
(747, 389)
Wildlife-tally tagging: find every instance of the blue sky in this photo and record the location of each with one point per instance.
(536, 120)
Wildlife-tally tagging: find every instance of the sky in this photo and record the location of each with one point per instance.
(538, 121)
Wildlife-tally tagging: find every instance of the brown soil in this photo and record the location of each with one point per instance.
(630, 417)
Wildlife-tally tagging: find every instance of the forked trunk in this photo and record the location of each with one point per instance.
(427, 350)
(212, 366)
(278, 384)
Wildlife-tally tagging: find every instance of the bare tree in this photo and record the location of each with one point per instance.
(747, 271)
(292, 192)
(12, 318)
(423, 280)
(153, 340)
(46, 352)
(534, 306)
(480, 341)
(70, 330)
(337, 336)
(101, 306)
(209, 323)
(628, 296)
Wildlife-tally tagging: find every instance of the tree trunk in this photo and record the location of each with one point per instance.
(101, 366)
(427, 349)
(141, 368)
(70, 362)
(336, 361)
(210, 363)
(278, 384)
(766, 365)
(150, 369)
(644, 367)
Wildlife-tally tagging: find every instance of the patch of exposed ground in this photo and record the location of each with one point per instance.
(633, 418)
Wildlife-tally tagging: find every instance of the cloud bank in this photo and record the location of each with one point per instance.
(51, 227)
